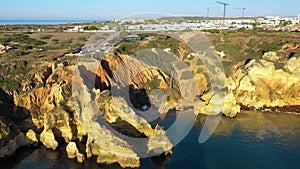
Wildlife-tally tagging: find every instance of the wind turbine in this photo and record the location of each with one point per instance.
(208, 9)
(243, 16)
(225, 4)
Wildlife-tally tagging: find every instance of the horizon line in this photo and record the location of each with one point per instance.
(104, 20)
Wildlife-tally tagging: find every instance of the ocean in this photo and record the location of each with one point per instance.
(44, 22)
(253, 140)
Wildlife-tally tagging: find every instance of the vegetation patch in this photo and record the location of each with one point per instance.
(9, 85)
(46, 37)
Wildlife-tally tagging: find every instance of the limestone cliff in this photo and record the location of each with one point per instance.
(54, 114)
(101, 111)
(260, 84)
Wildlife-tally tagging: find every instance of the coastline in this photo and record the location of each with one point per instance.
(248, 133)
(45, 22)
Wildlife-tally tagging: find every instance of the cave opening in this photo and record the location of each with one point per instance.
(139, 98)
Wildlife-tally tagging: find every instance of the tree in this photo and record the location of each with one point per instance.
(93, 27)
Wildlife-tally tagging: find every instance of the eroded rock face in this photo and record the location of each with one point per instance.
(12, 138)
(212, 103)
(101, 142)
(73, 152)
(83, 107)
(270, 56)
(55, 118)
(116, 108)
(260, 85)
(48, 139)
(54, 114)
(31, 136)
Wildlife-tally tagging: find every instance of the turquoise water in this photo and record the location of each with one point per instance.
(253, 140)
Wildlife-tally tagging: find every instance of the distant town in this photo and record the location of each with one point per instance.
(271, 23)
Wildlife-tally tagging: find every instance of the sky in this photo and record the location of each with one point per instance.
(113, 9)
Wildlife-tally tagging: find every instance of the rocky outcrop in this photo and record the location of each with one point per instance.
(101, 141)
(11, 138)
(48, 139)
(289, 47)
(213, 103)
(4, 48)
(258, 84)
(53, 117)
(31, 136)
(270, 56)
(73, 152)
(105, 108)
(115, 108)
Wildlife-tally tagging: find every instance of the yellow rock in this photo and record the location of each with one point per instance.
(47, 138)
(73, 152)
(31, 136)
(260, 85)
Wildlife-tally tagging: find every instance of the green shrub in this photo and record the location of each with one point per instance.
(40, 85)
(127, 48)
(16, 53)
(268, 47)
(251, 52)
(55, 41)
(4, 40)
(91, 28)
(19, 68)
(21, 65)
(54, 77)
(199, 62)
(22, 38)
(230, 48)
(66, 43)
(170, 44)
(56, 63)
(63, 102)
(83, 39)
(51, 47)
(11, 85)
(46, 37)
(26, 47)
(213, 30)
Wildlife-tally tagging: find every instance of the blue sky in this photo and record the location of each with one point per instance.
(110, 9)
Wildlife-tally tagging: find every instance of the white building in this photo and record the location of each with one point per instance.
(77, 29)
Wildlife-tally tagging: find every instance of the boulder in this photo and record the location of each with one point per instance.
(270, 56)
(48, 139)
(31, 137)
(73, 152)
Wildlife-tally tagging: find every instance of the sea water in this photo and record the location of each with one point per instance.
(43, 22)
(252, 140)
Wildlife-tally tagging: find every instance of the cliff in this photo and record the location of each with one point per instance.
(266, 85)
(60, 113)
(102, 107)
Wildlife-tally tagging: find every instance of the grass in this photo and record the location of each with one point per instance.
(230, 48)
